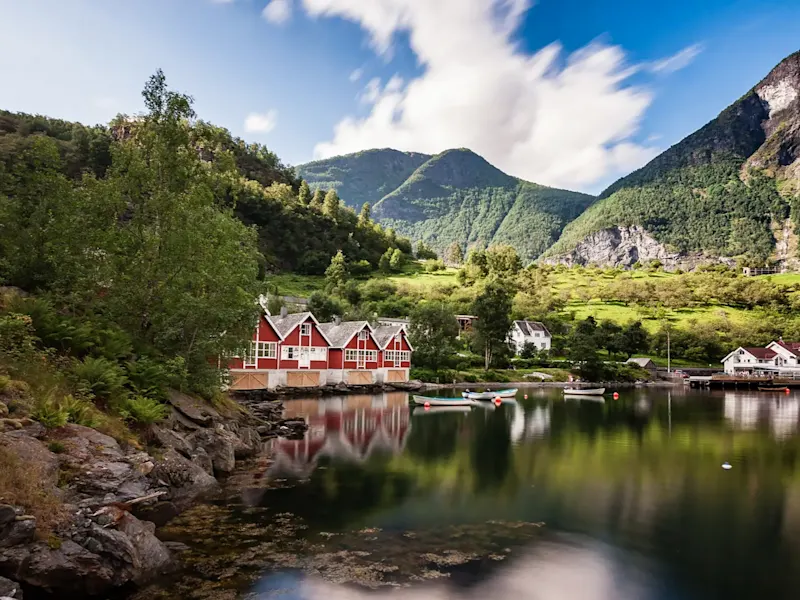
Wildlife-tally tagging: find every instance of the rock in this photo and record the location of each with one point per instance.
(151, 557)
(3, 409)
(160, 513)
(10, 589)
(19, 531)
(33, 454)
(192, 408)
(218, 444)
(172, 439)
(176, 546)
(246, 443)
(68, 569)
(186, 480)
(7, 514)
(201, 458)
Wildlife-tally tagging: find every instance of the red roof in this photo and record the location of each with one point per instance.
(793, 347)
(761, 352)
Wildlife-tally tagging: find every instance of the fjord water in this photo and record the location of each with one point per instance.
(544, 498)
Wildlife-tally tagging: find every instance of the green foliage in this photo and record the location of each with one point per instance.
(336, 274)
(424, 252)
(433, 334)
(397, 260)
(144, 410)
(50, 413)
(325, 307)
(100, 377)
(80, 411)
(492, 306)
(454, 255)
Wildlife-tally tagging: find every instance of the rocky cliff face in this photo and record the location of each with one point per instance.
(625, 246)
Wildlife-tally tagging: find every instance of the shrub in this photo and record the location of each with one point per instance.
(360, 268)
(100, 377)
(147, 377)
(80, 412)
(56, 447)
(50, 413)
(144, 410)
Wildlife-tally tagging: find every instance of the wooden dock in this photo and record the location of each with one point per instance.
(728, 382)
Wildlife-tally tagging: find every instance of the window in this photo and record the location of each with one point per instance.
(389, 356)
(267, 350)
(398, 338)
(370, 355)
(363, 335)
(403, 356)
(319, 353)
(305, 329)
(351, 355)
(537, 334)
(250, 355)
(289, 352)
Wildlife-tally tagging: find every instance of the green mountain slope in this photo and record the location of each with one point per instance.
(720, 192)
(455, 196)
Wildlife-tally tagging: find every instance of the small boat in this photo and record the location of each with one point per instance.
(584, 391)
(773, 389)
(434, 401)
(490, 395)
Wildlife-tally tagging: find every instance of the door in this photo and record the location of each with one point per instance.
(304, 361)
(362, 360)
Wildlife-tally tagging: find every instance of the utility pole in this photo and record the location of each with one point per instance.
(669, 370)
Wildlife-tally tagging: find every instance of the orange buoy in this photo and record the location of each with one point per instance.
(498, 401)
(615, 395)
(787, 390)
(427, 405)
(526, 396)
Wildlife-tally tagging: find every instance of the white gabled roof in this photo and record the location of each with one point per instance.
(285, 325)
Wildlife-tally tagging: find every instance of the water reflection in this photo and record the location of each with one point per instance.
(751, 410)
(449, 504)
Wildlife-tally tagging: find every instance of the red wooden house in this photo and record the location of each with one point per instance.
(354, 356)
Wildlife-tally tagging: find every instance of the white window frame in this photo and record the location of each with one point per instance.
(290, 353)
(267, 350)
(305, 329)
(319, 354)
(370, 355)
(250, 359)
(363, 335)
(389, 356)
(350, 355)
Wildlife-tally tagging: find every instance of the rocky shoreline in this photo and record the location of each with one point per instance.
(253, 397)
(106, 499)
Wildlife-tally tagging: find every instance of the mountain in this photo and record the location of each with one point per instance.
(455, 196)
(728, 191)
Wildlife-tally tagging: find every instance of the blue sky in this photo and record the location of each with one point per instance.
(572, 93)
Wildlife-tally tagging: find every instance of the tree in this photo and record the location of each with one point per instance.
(423, 251)
(324, 306)
(336, 273)
(529, 351)
(433, 334)
(633, 339)
(502, 260)
(492, 307)
(609, 337)
(397, 260)
(305, 193)
(330, 206)
(385, 262)
(317, 199)
(582, 347)
(365, 216)
(454, 255)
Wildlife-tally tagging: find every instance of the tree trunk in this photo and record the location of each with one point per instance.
(487, 357)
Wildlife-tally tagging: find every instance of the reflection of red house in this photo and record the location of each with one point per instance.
(340, 432)
(295, 350)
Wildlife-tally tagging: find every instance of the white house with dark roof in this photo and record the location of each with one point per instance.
(529, 332)
(777, 358)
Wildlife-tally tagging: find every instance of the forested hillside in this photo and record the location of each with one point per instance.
(722, 191)
(453, 197)
(264, 193)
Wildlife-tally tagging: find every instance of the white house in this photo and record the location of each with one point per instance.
(529, 332)
(777, 358)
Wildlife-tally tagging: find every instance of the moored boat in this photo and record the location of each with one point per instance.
(773, 389)
(439, 401)
(490, 395)
(584, 391)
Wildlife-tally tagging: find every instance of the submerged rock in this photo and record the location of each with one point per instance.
(10, 589)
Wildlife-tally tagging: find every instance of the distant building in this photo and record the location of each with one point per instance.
(752, 272)
(643, 362)
(392, 322)
(529, 332)
(465, 322)
(777, 358)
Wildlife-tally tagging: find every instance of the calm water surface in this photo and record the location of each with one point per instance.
(542, 498)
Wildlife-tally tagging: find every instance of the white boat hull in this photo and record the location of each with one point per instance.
(511, 393)
(584, 392)
(423, 400)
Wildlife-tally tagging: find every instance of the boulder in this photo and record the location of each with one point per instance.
(192, 408)
(159, 513)
(33, 454)
(172, 439)
(10, 589)
(246, 443)
(18, 531)
(184, 479)
(201, 458)
(219, 445)
(7, 514)
(151, 557)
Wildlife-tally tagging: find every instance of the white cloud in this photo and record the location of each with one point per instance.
(677, 61)
(277, 11)
(356, 75)
(543, 117)
(261, 122)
